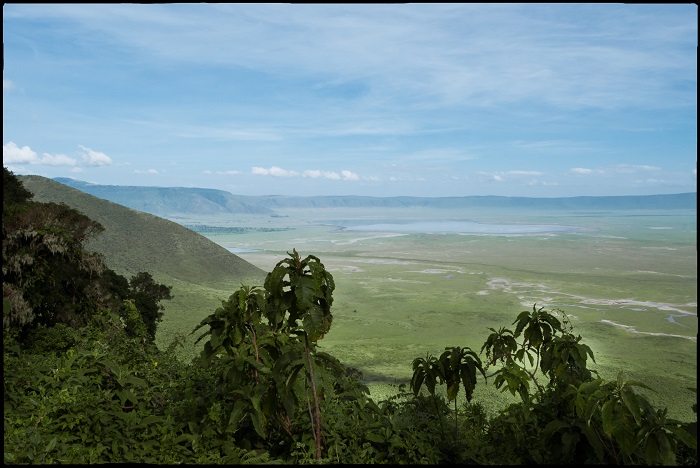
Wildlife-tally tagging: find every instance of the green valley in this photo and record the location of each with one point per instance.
(357, 338)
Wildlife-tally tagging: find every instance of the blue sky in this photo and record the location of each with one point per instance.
(383, 100)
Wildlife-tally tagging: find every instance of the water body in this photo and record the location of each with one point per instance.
(237, 250)
(462, 227)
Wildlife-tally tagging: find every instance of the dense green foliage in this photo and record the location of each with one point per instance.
(84, 382)
(50, 278)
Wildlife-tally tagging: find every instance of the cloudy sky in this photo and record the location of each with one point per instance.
(383, 100)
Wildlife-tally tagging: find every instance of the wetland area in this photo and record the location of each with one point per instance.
(412, 281)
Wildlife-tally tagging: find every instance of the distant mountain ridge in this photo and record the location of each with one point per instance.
(173, 201)
(628, 202)
(169, 201)
(136, 241)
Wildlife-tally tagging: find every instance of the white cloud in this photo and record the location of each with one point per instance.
(7, 85)
(631, 168)
(149, 171)
(274, 171)
(208, 172)
(582, 170)
(348, 175)
(57, 160)
(619, 169)
(95, 158)
(12, 154)
(316, 174)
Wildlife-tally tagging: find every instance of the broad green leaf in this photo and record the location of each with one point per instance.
(631, 402)
(136, 381)
(151, 419)
(569, 441)
(257, 419)
(452, 391)
(666, 453)
(594, 441)
(608, 415)
(237, 414)
(51, 445)
(374, 438)
(685, 437)
(651, 450)
(316, 323)
(552, 427)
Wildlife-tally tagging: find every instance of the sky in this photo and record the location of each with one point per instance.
(530, 100)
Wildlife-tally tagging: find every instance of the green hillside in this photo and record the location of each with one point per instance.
(134, 241)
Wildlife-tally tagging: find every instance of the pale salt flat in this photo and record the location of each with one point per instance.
(630, 304)
(398, 280)
(632, 329)
(462, 227)
(435, 271)
(358, 239)
(381, 261)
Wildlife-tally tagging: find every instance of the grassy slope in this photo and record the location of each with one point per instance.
(200, 271)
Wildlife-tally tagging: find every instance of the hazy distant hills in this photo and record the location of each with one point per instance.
(135, 241)
(171, 202)
(648, 202)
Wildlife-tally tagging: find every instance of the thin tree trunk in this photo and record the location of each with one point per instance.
(311, 415)
(455, 418)
(317, 432)
(257, 356)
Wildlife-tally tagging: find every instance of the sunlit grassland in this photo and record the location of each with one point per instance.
(627, 281)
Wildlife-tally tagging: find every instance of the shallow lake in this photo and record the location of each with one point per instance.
(465, 227)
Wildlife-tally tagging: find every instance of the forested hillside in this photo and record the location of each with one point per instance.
(85, 383)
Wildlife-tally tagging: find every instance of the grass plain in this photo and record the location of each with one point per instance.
(627, 280)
